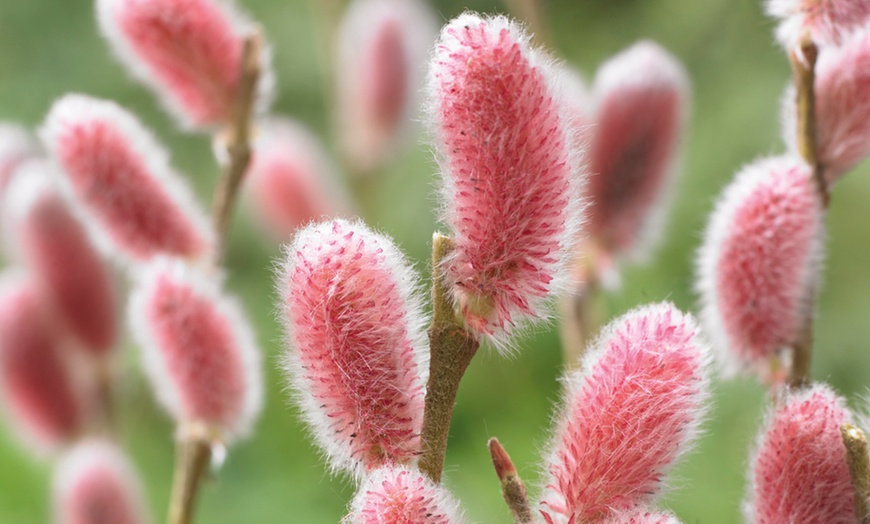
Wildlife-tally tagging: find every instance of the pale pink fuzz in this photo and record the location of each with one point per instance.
(642, 103)
(826, 22)
(382, 47)
(199, 350)
(290, 181)
(799, 472)
(95, 483)
(188, 51)
(121, 177)
(395, 495)
(16, 146)
(843, 106)
(643, 516)
(510, 184)
(39, 392)
(53, 244)
(358, 350)
(633, 411)
(759, 263)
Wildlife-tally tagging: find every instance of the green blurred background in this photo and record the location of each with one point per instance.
(50, 47)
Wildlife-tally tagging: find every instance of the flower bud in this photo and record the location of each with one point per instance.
(395, 495)
(642, 97)
(122, 180)
(41, 397)
(52, 243)
(510, 181)
(382, 46)
(188, 51)
(759, 263)
(357, 358)
(628, 417)
(199, 350)
(290, 181)
(96, 484)
(826, 22)
(799, 472)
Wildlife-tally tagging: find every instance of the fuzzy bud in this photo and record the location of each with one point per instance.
(509, 178)
(41, 397)
(826, 22)
(628, 417)
(759, 263)
(395, 495)
(642, 516)
(642, 103)
(799, 472)
(198, 348)
(54, 245)
(382, 47)
(188, 51)
(290, 181)
(96, 484)
(357, 358)
(121, 177)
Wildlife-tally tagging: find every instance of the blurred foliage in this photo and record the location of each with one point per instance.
(49, 47)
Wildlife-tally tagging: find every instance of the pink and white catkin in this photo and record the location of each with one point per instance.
(826, 22)
(290, 180)
(628, 417)
(642, 97)
(643, 516)
(51, 242)
(199, 351)
(382, 48)
(842, 91)
(510, 176)
(41, 396)
(396, 495)
(759, 264)
(358, 350)
(118, 173)
(188, 51)
(96, 484)
(799, 472)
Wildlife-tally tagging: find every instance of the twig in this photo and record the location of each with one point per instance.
(512, 487)
(103, 377)
(192, 456)
(238, 140)
(452, 347)
(578, 320)
(859, 468)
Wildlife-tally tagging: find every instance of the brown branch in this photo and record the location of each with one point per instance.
(192, 456)
(859, 468)
(451, 349)
(578, 321)
(237, 137)
(512, 488)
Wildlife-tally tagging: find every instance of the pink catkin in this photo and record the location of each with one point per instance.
(357, 346)
(54, 245)
(628, 417)
(290, 181)
(826, 22)
(395, 495)
(96, 484)
(642, 516)
(509, 180)
(382, 46)
(842, 92)
(38, 389)
(759, 263)
(799, 472)
(122, 180)
(642, 102)
(198, 348)
(188, 51)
